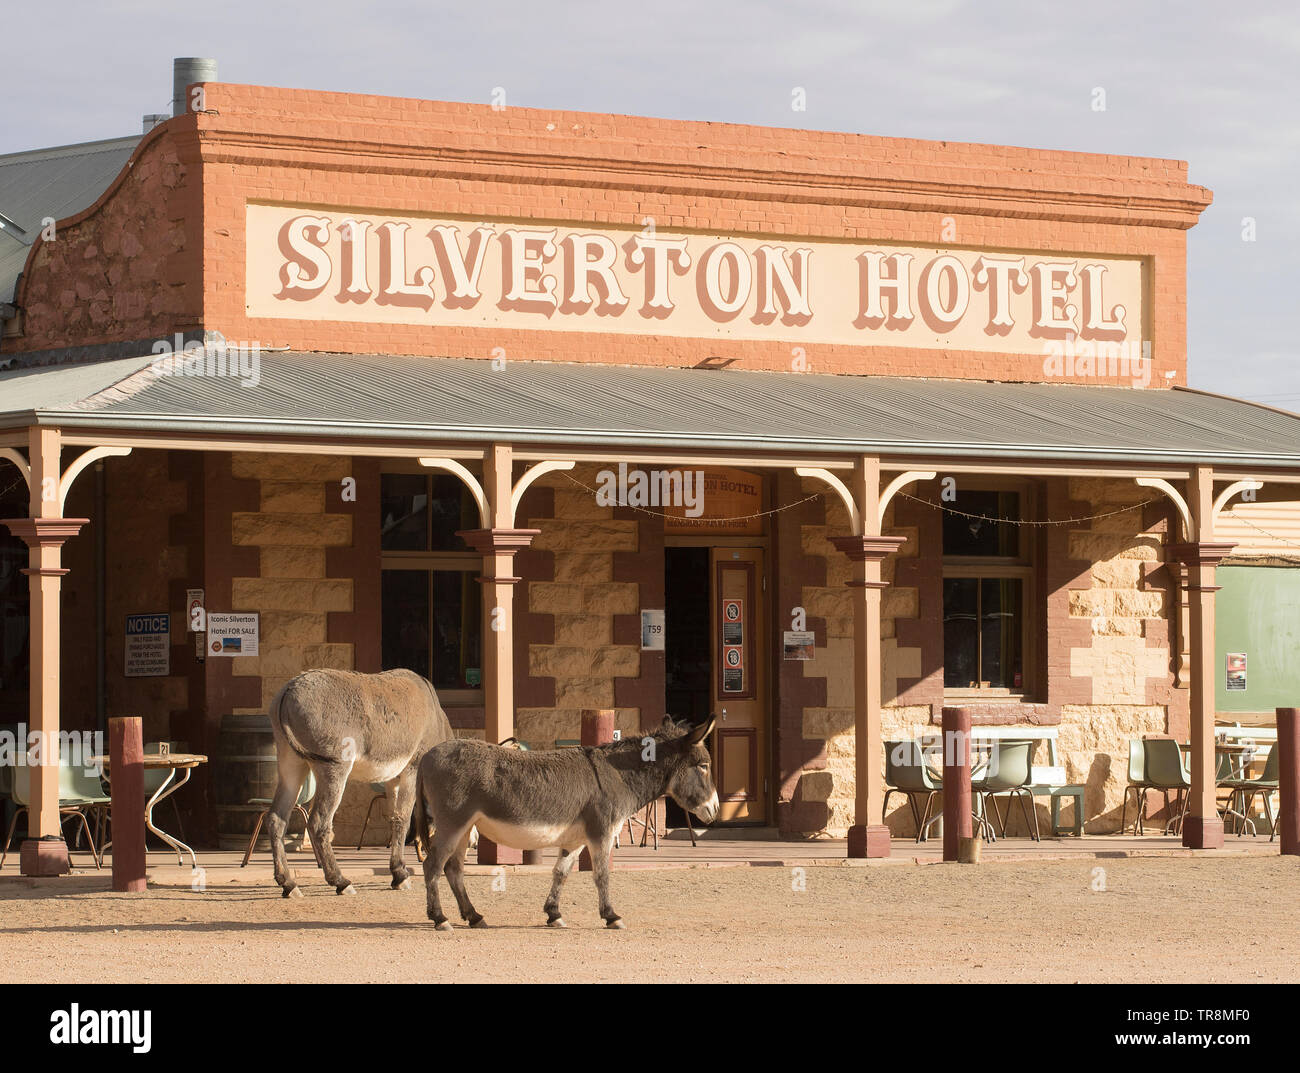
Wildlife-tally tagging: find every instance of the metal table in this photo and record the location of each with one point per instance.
(173, 762)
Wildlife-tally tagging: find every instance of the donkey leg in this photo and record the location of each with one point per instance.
(455, 872)
(435, 861)
(331, 780)
(401, 802)
(600, 849)
(293, 772)
(563, 866)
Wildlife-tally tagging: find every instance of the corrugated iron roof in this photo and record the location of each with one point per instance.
(387, 397)
(57, 183)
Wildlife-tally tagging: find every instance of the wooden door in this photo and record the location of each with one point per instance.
(740, 742)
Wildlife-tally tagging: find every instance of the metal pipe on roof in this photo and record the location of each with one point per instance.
(187, 70)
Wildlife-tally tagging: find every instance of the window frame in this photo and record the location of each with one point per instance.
(442, 561)
(1021, 567)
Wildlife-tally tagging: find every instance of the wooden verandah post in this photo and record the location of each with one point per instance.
(498, 545)
(867, 550)
(44, 853)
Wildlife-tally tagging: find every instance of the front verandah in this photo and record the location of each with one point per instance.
(864, 484)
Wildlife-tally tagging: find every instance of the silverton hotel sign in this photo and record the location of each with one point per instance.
(364, 267)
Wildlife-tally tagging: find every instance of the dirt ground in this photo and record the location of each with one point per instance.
(1163, 920)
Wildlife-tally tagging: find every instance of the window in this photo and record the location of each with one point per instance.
(432, 604)
(987, 591)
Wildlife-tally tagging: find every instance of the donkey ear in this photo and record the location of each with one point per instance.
(702, 731)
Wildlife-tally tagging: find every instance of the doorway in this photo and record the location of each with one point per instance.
(715, 661)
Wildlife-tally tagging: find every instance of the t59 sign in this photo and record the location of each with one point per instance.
(329, 265)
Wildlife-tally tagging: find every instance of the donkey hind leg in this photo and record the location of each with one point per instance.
(600, 849)
(454, 869)
(401, 802)
(445, 843)
(563, 866)
(292, 774)
(331, 780)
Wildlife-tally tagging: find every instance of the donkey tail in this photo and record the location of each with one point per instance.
(420, 818)
(283, 732)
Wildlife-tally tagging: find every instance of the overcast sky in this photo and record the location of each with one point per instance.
(1194, 81)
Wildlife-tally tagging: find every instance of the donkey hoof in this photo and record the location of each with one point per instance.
(401, 884)
(442, 925)
(556, 922)
(292, 892)
(347, 889)
(477, 921)
(616, 923)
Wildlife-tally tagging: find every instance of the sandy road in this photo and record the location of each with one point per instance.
(1220, 920)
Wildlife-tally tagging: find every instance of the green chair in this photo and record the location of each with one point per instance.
(1009, 772)
(1137, 784)
(305, 795)
(1166, 771)
(1246, 789)
(907, 773)
(73, 801)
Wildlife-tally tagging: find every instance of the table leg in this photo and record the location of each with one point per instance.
(170, 785)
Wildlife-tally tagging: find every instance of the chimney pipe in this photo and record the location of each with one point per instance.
(186, 70)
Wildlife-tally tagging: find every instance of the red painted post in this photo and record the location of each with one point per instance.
(957, 822)
(1288, 778)
(597, 729)
(126, 770)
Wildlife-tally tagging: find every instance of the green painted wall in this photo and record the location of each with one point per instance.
(1257, 611)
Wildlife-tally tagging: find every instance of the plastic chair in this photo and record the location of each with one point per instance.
(907, 773)
(1166, 770)
(1266, 785)
(1137, 783)
(305, 795)
(1009, 773)
(73, 804)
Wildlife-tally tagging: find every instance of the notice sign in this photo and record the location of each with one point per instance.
(1236, 672)
(148, 645)
(799, 644)
(652, 631)
(194, 611)
(733, 622)
(733, 669)
(232, 635)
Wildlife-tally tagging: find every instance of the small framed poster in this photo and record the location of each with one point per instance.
(1236, 672)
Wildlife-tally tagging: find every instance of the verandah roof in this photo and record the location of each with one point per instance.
(378, 397)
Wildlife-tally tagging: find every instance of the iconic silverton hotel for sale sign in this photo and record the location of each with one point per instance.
(322, 264)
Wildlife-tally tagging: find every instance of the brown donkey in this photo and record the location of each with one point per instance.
(568, 798)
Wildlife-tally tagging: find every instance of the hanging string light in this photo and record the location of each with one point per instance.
(1023, 521)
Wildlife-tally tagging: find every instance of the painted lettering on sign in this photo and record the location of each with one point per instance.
(318, 264)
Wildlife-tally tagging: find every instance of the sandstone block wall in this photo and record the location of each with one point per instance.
(1105, 652)
(582, 599)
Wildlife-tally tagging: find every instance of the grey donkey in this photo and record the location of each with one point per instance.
(346, 725)
(568, 798)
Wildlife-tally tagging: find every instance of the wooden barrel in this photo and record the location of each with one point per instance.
(244, 768)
